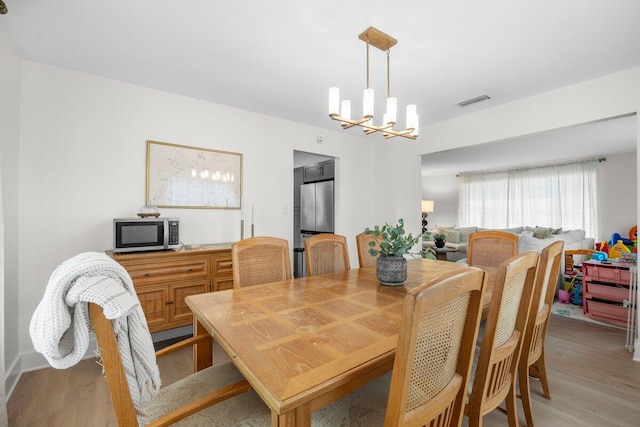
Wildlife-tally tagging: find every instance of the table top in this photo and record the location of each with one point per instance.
(298, 339)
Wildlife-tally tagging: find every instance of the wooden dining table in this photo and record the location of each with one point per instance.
(304, 343)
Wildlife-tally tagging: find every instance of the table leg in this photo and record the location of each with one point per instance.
(441, 256)
(202, 352)
(298, 417)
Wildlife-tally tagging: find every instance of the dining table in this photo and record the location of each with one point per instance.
(304, 343)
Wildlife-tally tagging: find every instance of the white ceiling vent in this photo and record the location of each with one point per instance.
(473, 100)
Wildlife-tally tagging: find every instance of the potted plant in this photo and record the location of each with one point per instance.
(391, 243)
(439, 239)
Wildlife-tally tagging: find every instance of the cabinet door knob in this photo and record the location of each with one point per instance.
(169, 302)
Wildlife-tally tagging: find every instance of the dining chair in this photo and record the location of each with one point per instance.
(217, 393)
(532, 357)
(365, 259)
(488, 249)
(92, 292)
(326, 253)
(432, 364)
(495, 369)
(258, 260)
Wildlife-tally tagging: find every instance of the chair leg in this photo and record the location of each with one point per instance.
(512, 406)
(525, 393)
(474, 418)
(475, 421)
(542, 374)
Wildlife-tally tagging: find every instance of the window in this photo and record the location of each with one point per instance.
(551, 196)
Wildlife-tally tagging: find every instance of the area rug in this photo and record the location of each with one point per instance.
(575, 312)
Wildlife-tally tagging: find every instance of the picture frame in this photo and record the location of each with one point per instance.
(180, 176)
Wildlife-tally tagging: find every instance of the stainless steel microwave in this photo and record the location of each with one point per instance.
(145, 234)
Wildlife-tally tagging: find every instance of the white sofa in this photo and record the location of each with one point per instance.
(529, 239)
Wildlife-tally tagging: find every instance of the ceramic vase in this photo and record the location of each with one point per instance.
(391, 270)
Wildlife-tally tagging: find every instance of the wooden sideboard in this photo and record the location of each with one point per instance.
(163, 279)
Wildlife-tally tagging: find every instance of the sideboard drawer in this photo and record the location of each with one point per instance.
(222, 265)
(183, 269)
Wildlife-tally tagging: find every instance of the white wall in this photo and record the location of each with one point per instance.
(9, 154)
(83, 163)
(618, 195)
(443, 190)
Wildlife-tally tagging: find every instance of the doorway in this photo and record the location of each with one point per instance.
(309, 168)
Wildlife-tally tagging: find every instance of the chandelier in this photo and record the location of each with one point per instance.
(341, 111)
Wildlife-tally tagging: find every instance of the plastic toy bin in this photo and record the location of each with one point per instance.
(606, 274)
(605, 290)
(607, 311)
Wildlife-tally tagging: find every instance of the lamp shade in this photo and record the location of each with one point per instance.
(427, 206)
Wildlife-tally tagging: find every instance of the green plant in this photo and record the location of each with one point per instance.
(439, 236)
(390, 240)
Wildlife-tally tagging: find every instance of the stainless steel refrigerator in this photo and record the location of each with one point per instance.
(316, 207)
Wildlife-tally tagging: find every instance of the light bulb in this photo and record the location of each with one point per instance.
(392, 110)
(367, 103)
(345, 110)
(412, 117)
(415, 131)
(334, 101)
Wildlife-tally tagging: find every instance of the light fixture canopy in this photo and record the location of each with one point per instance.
(341, 111)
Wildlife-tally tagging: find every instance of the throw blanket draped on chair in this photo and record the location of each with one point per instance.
(60, 325)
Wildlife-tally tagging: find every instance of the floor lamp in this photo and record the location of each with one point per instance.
(427, 206)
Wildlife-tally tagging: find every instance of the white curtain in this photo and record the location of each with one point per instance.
(551, 196)
(3, 399)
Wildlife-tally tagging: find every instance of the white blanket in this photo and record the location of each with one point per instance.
(60, 325)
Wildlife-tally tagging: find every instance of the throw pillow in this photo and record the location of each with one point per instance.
(452, 236)
(542, 232)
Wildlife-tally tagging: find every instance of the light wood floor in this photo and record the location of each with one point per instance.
(593, 380)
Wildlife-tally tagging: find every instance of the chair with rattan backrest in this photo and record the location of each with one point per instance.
(326, 253)
(494, 379)
(488, 249)
(258, 260)
(436, 343)
(538, 320)
(365, 259)
(218, 393)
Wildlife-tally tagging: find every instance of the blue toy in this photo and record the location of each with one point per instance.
(599, 256)
(616, 236)
(576, 293)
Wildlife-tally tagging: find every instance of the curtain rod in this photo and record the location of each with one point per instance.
(535, 166)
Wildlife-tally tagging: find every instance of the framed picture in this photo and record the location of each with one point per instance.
(179, 176)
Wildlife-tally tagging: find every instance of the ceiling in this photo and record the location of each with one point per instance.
(280, 57)
(585, 141)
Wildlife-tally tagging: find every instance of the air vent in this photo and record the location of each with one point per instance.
(473, 100)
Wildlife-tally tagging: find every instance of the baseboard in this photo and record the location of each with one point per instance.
(172, 333)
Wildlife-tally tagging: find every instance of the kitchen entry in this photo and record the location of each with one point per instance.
(313, 201)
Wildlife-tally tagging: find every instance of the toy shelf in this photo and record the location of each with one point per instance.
(606, 290)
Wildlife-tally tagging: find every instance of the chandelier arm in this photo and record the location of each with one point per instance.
(387, 130)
